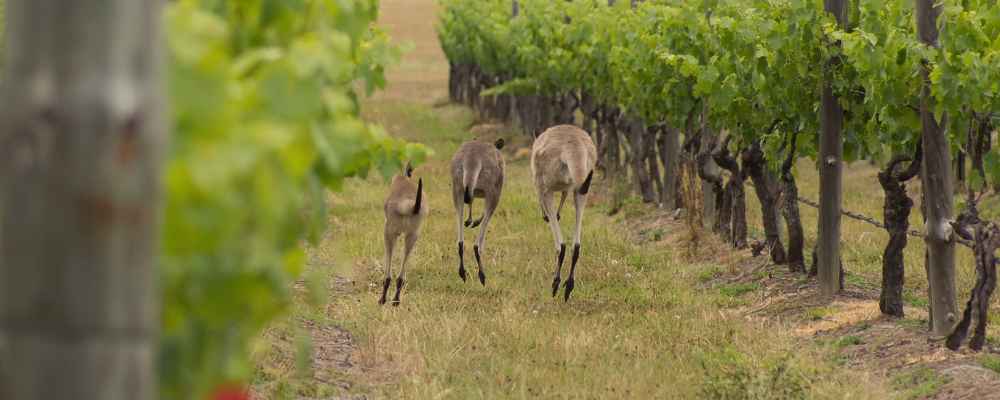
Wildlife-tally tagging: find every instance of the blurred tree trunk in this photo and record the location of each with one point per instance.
(82, 143)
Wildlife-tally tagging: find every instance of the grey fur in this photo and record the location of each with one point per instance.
(477, 171)
(563, 160)
(403, 217)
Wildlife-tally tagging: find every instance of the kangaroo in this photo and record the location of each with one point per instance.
(477, 170)
(563, 160)
(405, 210)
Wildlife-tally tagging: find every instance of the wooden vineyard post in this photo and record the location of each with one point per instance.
(831, 150)
(81, 147)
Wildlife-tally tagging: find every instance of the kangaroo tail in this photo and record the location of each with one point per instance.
(420, 195)
(585, 187)
(470, 175)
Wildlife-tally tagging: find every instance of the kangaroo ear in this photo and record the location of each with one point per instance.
(409, 169)
(499, 143)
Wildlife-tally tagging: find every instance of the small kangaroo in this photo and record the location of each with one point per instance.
(405, 210)
(563, 160)
(476, 171)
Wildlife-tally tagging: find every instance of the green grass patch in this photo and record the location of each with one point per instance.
(914, 300)
(846, 341)
(990, 362)
(919, 323)
(919, 383)
(818, 313)
(856, 280)
(731, 374)
(639, 261)
(709, 274)
(738, 289)
(657, 234)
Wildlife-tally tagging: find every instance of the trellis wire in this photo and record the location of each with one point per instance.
(872, 221)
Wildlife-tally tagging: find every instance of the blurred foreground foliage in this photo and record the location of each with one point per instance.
(265, 117)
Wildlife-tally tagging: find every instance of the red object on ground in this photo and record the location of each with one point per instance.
(231, 392)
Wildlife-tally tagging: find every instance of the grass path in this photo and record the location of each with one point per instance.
(637, 325)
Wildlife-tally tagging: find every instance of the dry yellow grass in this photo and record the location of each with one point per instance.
(642, 323)
(636, 326)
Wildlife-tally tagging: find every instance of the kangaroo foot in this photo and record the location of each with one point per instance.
(399, 288)
(479, 263)
(461, 260)
(569, 289)
(385, 289)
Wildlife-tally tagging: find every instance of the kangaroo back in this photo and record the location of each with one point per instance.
(405, 199)
(563, 157)
(407, 206)
(477, 171)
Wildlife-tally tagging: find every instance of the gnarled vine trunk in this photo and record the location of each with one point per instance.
(763, 183)
(669, 145)
(612, 150)
(978, 142)
(712, 185)
(637, 158)
(896, 214)
(652, 162)
(710, 198)
(986, 237)
(734, 199)
(790, 210)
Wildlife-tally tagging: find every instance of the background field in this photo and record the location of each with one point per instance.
(646, 320)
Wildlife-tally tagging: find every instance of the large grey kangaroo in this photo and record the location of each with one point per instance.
(476, 171)
(405, 209)
(563, 160)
